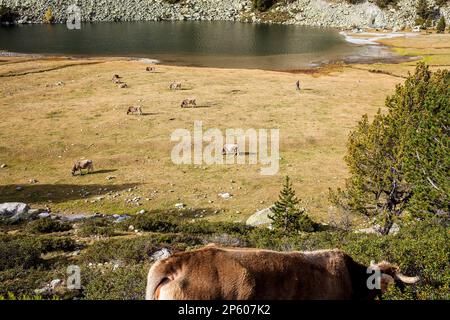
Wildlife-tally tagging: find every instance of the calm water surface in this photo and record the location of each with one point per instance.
(207, 44)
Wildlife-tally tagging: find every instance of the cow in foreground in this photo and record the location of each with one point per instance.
(136, 109)
(83, 164)
(214, 273)
(191, 102)
(230, 148)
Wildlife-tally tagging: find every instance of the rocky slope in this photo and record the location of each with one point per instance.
(336, 13)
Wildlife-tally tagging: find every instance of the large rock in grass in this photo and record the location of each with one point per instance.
(260, 218)
(14, 211)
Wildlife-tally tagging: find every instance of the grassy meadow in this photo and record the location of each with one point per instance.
(58, 110)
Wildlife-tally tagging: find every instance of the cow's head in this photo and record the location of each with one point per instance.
(390, 274)
(74, 169)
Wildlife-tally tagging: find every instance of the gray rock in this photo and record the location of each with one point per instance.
(121, 218)
(161, 254)
(43, 215)
(14, 211)
(180, 205)
(76, 217)
(260, 218)
(225, 195)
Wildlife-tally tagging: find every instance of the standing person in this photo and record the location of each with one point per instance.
(297, 84)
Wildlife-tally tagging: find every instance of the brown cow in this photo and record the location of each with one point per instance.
(213, 273)
(175, 86)
(136, 109)
(150, 69)
(116, 78)
(189, 102)
(83, 164)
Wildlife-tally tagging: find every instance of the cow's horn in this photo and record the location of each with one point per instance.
(406, 279)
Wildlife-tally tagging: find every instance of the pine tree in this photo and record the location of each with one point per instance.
(287, 216)
(441, 25)
(399, 162)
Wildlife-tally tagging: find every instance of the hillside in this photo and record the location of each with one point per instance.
(340, 13)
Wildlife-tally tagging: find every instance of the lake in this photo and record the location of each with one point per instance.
(203, 44)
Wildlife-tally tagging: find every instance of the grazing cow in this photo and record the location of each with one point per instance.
(189, 102)
(175, 86)
(136, 109)
(214, 273)
(230, 148)
(116, 78)
(150, 69)
(122, 85)
(83, 164)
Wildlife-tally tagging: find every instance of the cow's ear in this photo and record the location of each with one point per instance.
(385, 281)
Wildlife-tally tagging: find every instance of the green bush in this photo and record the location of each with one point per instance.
(120, 284)
(23, 281)
(18, 252)
(442, 3)
(263, 5)
(152, 223)
(385, 3)
(354, 1)
(206, 227)
(96, 227)
(8, 15)
(26, 251)
(47, 225)
(423, 10)
(135, 250)
(51, 244)
(12, 296)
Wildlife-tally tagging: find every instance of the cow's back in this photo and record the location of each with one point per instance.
(296, 275)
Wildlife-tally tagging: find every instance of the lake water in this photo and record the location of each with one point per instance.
(207, 44)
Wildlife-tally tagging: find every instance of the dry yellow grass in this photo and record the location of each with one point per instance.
(45, 127)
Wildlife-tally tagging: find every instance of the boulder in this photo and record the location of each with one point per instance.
(43, 215)
(376, 229)
(260, 218)
(14, 211)
(161, 254)
(225, 195)
(120, 218)
(180, 205)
